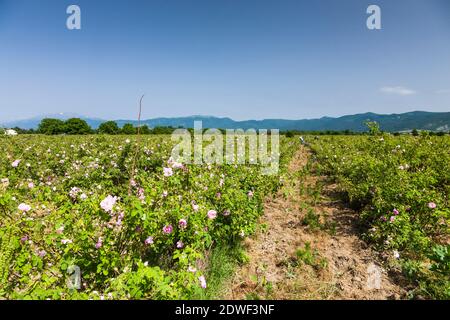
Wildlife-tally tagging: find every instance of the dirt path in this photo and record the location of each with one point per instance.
(308, 247)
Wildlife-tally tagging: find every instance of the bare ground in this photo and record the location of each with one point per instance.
(338, 264)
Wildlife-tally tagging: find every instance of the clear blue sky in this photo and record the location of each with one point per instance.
(246, 59)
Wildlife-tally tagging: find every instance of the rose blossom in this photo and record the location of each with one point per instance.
(202, 282)
(24, 207)
(41, 253)
(99, 243)
(168, 229)
(149, 240)
(212, 214)
(432, 205)
(182, 223)
(168, 172)
(177, 165)
(108, 203)
(15, 164)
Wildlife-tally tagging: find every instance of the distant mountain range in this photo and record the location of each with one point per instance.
(434, 121)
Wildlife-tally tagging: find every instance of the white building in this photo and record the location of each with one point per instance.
(10, 132)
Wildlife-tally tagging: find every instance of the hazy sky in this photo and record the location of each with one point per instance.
(237, 58)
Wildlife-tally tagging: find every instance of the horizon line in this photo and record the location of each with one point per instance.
(43, 116)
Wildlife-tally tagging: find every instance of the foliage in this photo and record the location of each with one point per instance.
(401, 185)
(109, 127)
(76, 126)
(51, 126)
(128, 128)
(70, 201)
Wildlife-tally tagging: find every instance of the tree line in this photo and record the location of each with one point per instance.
(77, 126)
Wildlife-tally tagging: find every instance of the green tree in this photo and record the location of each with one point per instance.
(415, 132)
(162, 130)
(145, 129)
(51, 126)
(128, 128)
(289, 134)
(109, 127)
(76, 126)
(374, 128)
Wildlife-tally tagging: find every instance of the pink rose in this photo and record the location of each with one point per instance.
(168, 172)
(99, 243)
(168, 229)
(182, 223)
(108, 203)
(202, 282)
(15, 164)
(149, 241)
(212, 214)
(24, 207)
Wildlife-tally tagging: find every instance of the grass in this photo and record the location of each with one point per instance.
(222, 264)
(312, 220)
(310, 257)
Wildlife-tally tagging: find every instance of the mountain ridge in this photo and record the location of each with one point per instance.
(421, 120)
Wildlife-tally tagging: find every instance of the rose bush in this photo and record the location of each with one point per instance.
(401, 186)
(140, 236)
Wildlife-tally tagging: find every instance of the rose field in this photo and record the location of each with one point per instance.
(137, 225)
(401, 188)
(70, 201)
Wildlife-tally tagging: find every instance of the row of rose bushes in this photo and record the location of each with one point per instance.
(401, 185)
(68, 206)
